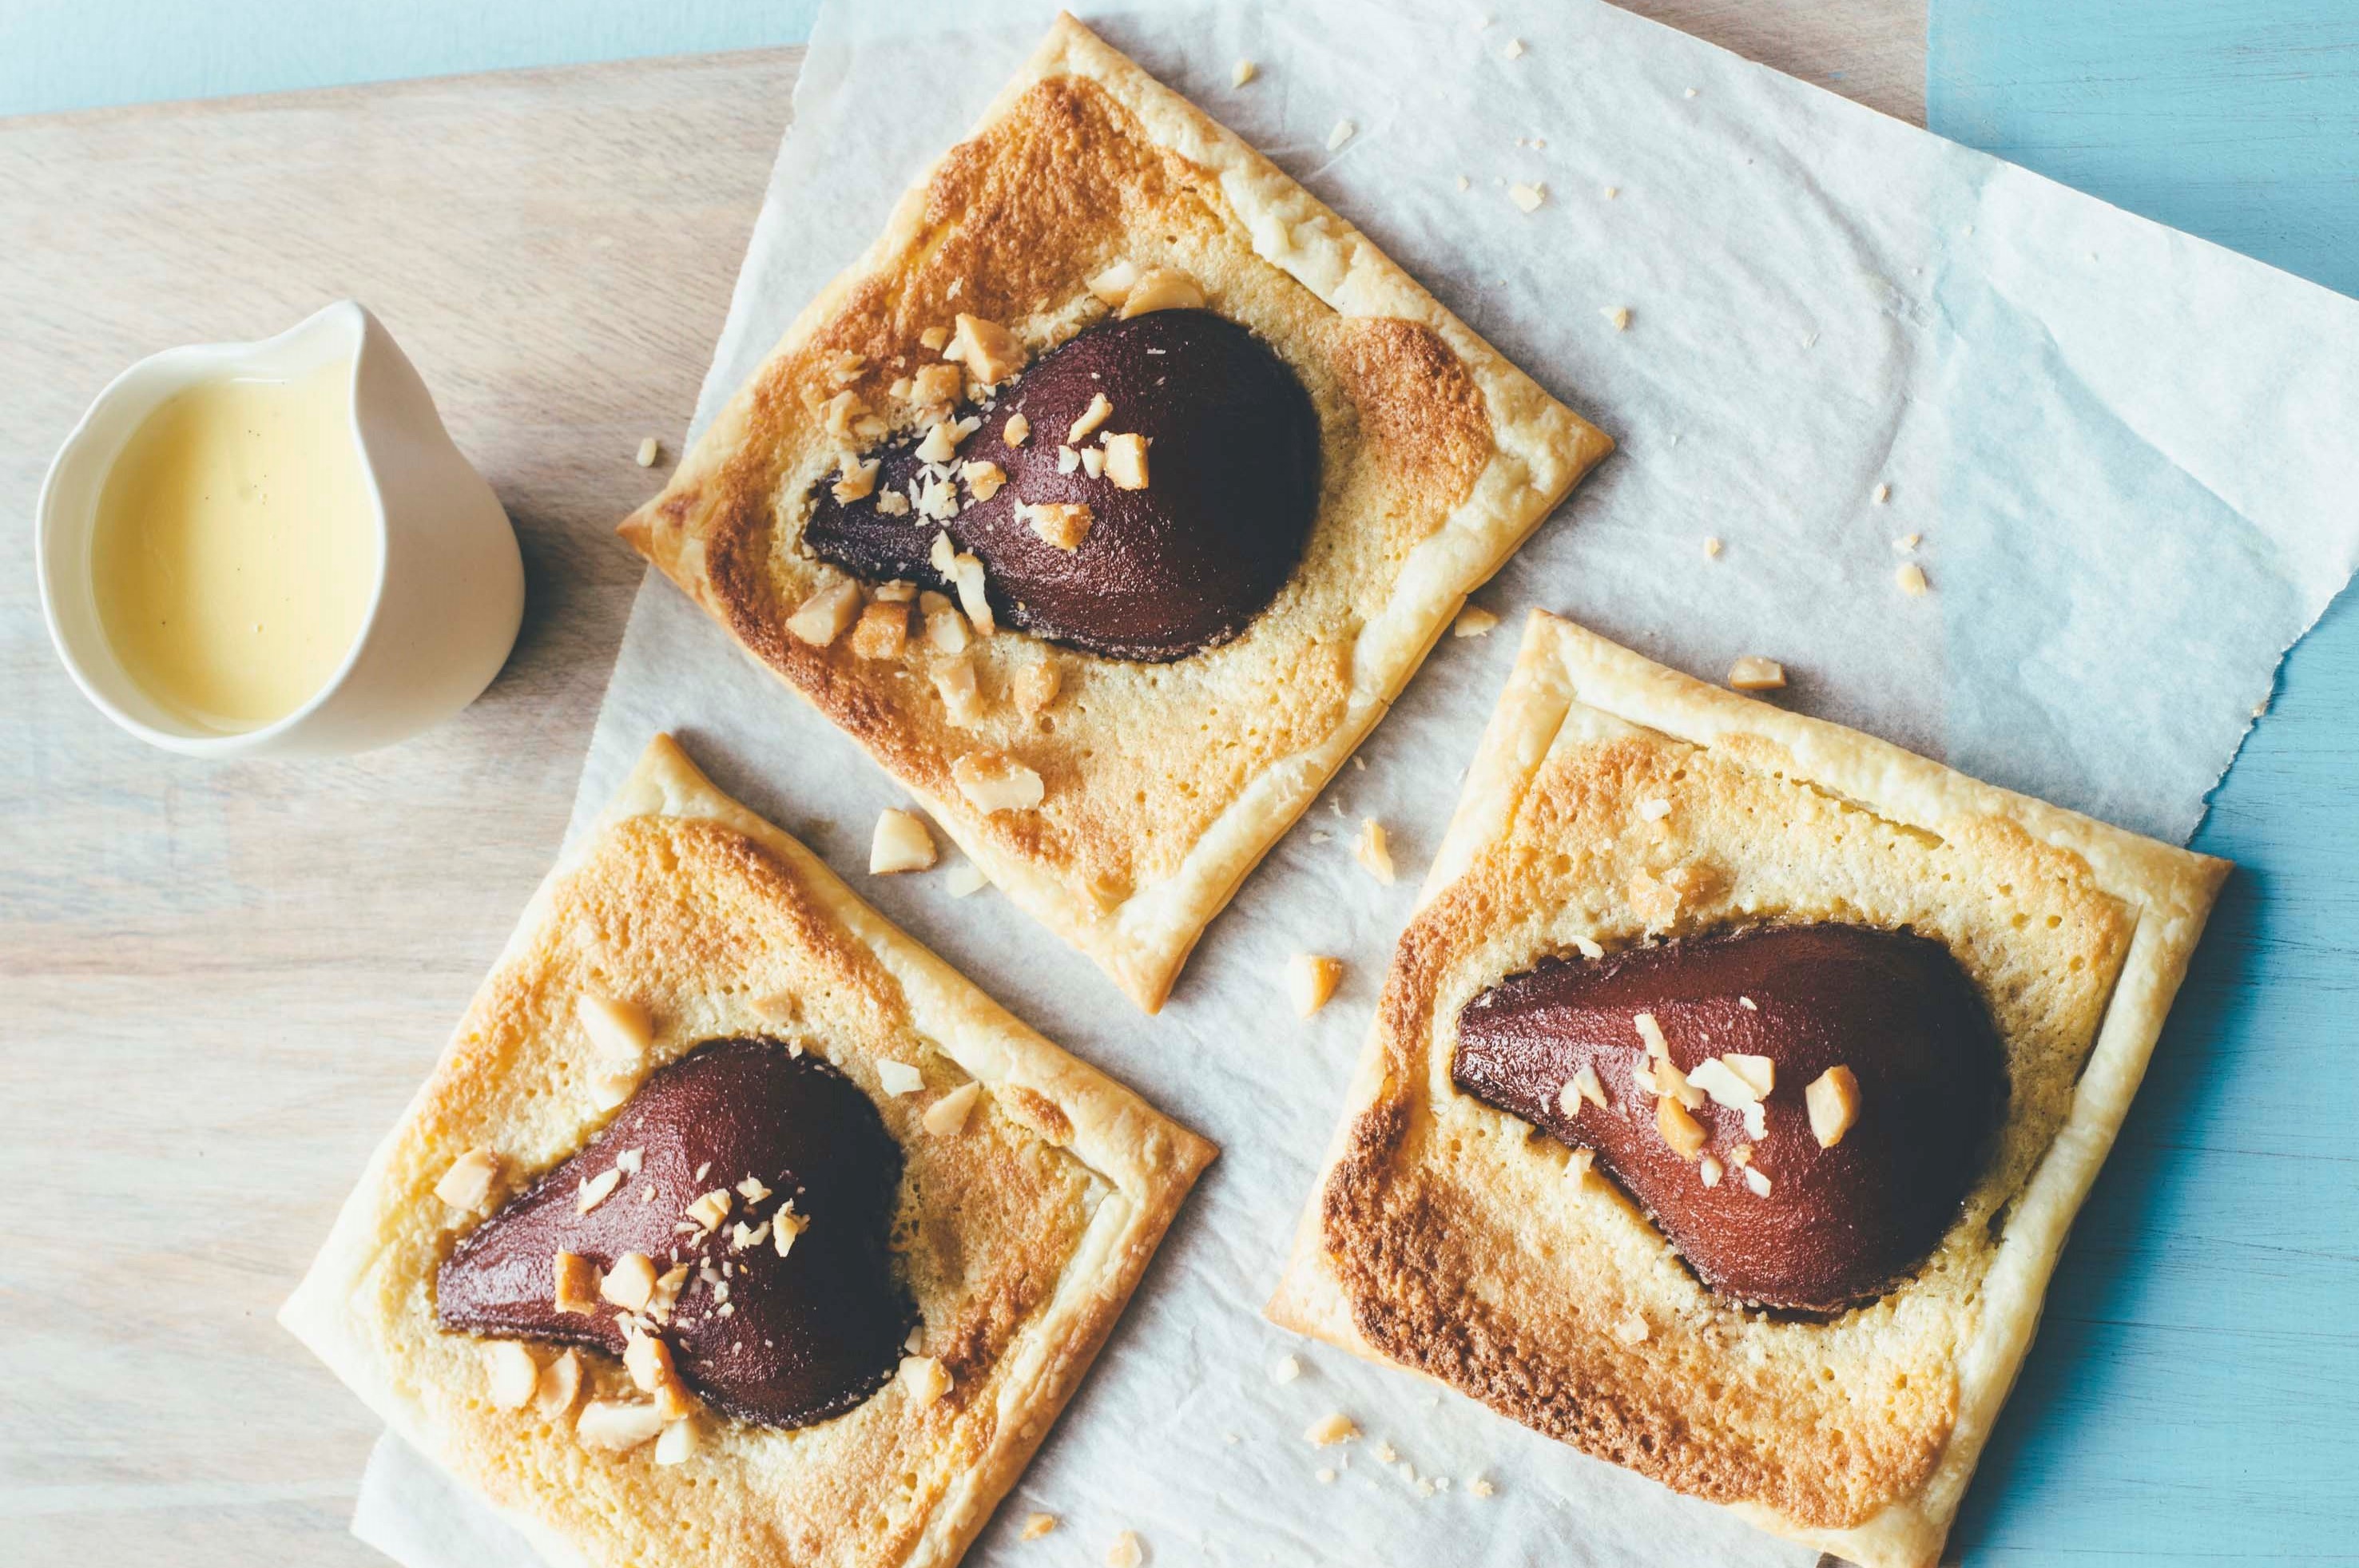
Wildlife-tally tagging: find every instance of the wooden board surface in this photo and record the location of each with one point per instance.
(220, 983)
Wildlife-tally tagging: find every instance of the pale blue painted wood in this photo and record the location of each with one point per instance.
(2193, 1398)
(78, 54)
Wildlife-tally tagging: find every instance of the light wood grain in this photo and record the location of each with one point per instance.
(220, 983)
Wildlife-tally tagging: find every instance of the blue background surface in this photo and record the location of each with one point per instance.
(2191, 1399)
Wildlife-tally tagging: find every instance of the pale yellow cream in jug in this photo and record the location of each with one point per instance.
(235, 552)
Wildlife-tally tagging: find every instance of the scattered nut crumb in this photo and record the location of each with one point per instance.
(935, 338)
(882, 631)
(962, 699)
(1246, 71)
(822, 618)
(1654, 810)
(1373, 849)
(1756, 1179)
(964, 878)
(560, 1385)
(511, 1374)
(984, 479)
(1712, 547)
(1311, 980)
(617, 1426)
(1589, 947)
(990, 352)
(1286, 1370)
(631, 1282)
(650, 450)
(1882, 493)
(1911, 579)
(1096, 414)
(900, 843)
(1037, 1525)
(946, 630)
(1017, 430)
(1754, 673)
(1691, 93)
(1343, 132)
(856, 479)
(577, 1283)
(992, 782)
(1161, 289)
(709, 1210)
(1328, 1431)
(468, 1183)
(1612, 191)
(1032, 687)
(925, 1379)
(1125, 1551)
(1833, 1101)
(1578, 1162)
(1906, 543)
(1481, 1487)
(1632, 1329)
(946, 1117)
(595, 1190)
(785, 1225)
(898, 1078)
(678, 1443)
(1618, 314)
(1324, 1475)
(1527, 198)
(1681, 1130)
(1708, 1172)
(1093, 461)
(1464, 184)
(1061, 525)
(1515, 50)
(1113, 285)
(1126, 460)
(1473, 621)
(936, 385)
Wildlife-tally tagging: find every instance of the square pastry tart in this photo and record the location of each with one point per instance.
(1109, 499)
(1732, 1092)
(733, 1226)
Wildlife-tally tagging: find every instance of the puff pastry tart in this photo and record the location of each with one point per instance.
(1731, 1092)
(733, 1226)
(1110, 499)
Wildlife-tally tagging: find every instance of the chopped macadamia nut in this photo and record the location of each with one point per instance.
(1094, 460)
(1473, 621)
(1096, 414)
(630, 1284)
(1883, 492)
(1244, 71)
(845, 367)
(511, 1376)
(893, 503)
(992, 782)
(882, 631)
(577, 1283)
(964, 571)
(1286, 1370)
(843, 414)
(1067, 460)
(1758, 1180)
(1343, 132)
(617, 1426)
(595, 1190)
(1373, 849)
(1911, 579)
(1161, 289)
(1311, 980)
(935, 338)
(964, 879)
(925, 1379)
(898, 1078)
(648, 1361)
(820, 619)
(1833, 1101)
(1753, 674)
(1632, 1329)
(1712, 1076)
(898, 592)
(1527, 198)
(1582, 1085)
(990, 352)
(560, 1386)
(1708, 1172)
(962, 698)
(1654, 810)
(1035, 1526)
(1577, 1163)
(1034, 686)
(1759, 1072)
(1481, 1487)
(936, 385)
(945, 627)
(468, 1183)
(1588, 947)
(1712, 547)
(1060, 524)
(1125, 1551)
(1906, 543)
(1331, 1430)
(1113, 285)
(858, 478)
(1681, 1130)
(941, 443)
(1618, 314)
(1126, 460)
(678, 1443)
(709, 1211)
(946, 1117)
(982, 479)
(1515, 50)
(1017, 430)
(900, 843)
(649, 450)
(1651, 1032)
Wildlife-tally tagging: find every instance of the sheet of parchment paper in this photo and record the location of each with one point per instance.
(2127, 452)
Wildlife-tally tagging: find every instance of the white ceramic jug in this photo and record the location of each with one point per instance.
(449, 589)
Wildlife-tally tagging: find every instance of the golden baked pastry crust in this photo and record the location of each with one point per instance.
(1019, 1238)
(1165, 783)
(1445, 1235)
